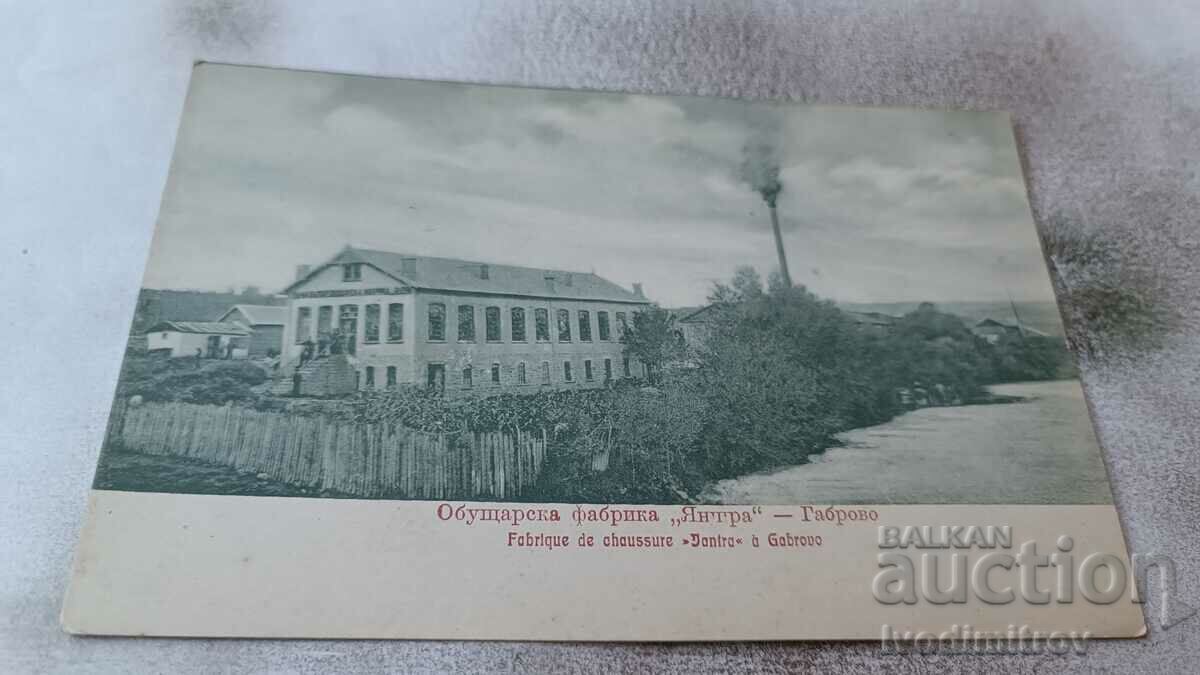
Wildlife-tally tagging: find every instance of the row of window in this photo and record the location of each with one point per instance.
(519, 374)
(518, 324)
(390, 375)
(347, 323)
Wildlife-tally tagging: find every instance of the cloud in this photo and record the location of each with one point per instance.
(275, 168)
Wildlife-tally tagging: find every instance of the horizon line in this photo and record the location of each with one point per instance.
(836, 301)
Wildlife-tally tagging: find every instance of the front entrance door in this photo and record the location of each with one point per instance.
(435, 377)
(348, 325)
(214, 347)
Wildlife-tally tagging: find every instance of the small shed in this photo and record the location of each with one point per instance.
(205, 339)
(691, 323)
(266, 327)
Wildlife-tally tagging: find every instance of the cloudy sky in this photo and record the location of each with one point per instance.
(275, 168)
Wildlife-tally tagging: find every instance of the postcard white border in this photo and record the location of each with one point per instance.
(221, 566)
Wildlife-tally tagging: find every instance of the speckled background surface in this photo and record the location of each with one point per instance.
(1105, 97)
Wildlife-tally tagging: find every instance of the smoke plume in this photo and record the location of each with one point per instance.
(760, 170)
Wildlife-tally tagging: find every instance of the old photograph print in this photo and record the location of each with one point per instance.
(389, 289)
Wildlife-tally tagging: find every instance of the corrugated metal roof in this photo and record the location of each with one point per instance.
(203, 327)
(260, 315)
(467, 276)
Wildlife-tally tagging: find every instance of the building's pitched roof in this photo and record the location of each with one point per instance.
(259, 315)
(467, 276)
(871, 318)
(693, 314)
(1024, 328)
(204, 327)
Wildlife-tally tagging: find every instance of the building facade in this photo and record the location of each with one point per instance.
(692, 324)
(459, 326)
(204, 339)
(266, 327)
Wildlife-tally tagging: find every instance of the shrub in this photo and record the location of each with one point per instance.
(190, 379)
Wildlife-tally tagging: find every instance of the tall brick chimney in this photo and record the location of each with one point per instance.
(637, 289)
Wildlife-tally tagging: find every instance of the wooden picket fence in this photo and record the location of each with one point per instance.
(363, 460)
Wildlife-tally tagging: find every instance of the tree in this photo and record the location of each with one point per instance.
(776, 282)
(745, 285)
(653, 340)
(781, 371)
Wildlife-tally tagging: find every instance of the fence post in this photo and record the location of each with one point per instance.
(366, 460)
(116, 421)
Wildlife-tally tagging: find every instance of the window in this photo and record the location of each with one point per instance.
(521, 373)
(303, 324)
(371, 324)
(541, 325)
(435, 377)
(625, 366)
(491, 324)
(517, 324)
(437, 321)
(587, 370)
(466, 323)
(391, 377)
(567, 376)
(324, 320)
(466, 376)
(602, 321)
(370, 377)
(495, 373)
(622, 325)
(564, 326)
(395, 322)
(608, 370)
(545, 372)
(352, 272)
(585, 326)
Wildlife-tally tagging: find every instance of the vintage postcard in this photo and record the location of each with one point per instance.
(435, 360)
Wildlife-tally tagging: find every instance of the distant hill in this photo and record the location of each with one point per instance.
(1040, 315)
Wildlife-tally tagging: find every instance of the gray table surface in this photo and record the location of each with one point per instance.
(1105, 96)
